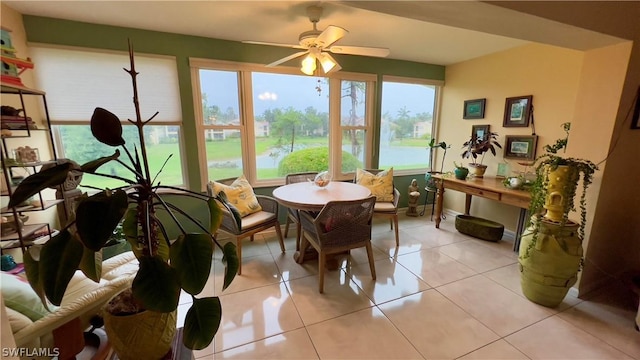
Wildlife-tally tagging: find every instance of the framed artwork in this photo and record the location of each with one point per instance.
(480, 131)
(474, 109)
(635, 120)
(517, 111)
(520, 147)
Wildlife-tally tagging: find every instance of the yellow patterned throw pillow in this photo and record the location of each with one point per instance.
(380, 184)
(240, 194)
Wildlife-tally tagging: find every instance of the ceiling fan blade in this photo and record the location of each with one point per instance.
(296, 46)
(359, 50)
(285, 59)
(330, 35)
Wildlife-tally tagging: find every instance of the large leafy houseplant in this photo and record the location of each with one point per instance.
(165, 266)
(580, 169)
(479, 146)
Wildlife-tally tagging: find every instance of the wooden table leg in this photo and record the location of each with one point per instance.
(467, 204)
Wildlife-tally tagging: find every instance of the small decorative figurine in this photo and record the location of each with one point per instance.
(414, 195)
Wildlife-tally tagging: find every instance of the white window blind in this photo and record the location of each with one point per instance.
(77, 81)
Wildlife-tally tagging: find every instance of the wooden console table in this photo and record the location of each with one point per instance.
(487, 187)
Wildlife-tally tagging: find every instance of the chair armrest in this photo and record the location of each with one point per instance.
(268, 204)
(396, 197)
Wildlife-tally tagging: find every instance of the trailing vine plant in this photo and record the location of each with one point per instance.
(580, 169)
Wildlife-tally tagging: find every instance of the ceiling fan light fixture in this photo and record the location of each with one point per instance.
(308, 64)
(328, 63)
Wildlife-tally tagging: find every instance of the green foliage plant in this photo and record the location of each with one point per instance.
(442, 145)
(580, 170)
(476, 146)
(314, 159)
(165, 267)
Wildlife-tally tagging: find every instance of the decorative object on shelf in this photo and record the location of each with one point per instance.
(7, 262)
(479, 146)
(414, 196)
(12, 224)
(12, 66)
(431, 184)
(460, 172)
(474, 109)
(165, 267)
(517, 111)
(551, 250)
(521, 147)
(26, 155)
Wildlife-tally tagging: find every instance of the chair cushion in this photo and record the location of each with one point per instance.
(256, 219)
(384, 207)
(380, 184)
(240, 194)
(19, 296)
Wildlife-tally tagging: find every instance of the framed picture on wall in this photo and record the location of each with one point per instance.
(520, 147)
(474, 109)
(517, 111)
(480, 131)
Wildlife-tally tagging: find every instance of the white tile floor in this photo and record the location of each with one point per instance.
(440, 295)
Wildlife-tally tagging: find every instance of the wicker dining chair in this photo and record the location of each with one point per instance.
(252, 223)
(340, 226)
(293, 214)
(388, 209)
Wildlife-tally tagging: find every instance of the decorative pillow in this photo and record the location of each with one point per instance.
(380, 185)
(240, 194)
(19, 296)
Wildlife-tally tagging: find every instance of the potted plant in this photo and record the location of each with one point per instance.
(165, 267)
(478, 147)
(551, 246)
(461, 171)
(431, 185)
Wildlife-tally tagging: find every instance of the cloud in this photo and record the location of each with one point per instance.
(268, 96)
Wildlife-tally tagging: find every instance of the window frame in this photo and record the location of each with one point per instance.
(246, 127)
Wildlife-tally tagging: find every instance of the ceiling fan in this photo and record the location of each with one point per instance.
(318, 44)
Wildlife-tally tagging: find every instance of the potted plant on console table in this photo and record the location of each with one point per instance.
(478, 147)
(550, 253)
(165, 267)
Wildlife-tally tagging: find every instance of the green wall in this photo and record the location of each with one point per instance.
(72, 33)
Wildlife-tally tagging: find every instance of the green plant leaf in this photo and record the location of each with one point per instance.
(92, 166)
(98, 216)
(230, 259)
(91, 264)
(59, 259)
(156, 285)
(106, 127)
(130, 230)
(216, 215)
(202, 322)
(32, 267)
(191, 256)
(39, 181)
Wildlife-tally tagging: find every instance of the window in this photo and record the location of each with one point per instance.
(268, 124)
(408, 109)
(97, 79)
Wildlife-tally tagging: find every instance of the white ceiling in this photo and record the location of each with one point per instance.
(417, 31)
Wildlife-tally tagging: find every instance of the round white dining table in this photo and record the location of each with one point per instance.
(308, 197)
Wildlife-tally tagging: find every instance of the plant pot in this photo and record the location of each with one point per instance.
(549, 268)
(477, 170)
(461, 173)
(146, 335)
(431, 182)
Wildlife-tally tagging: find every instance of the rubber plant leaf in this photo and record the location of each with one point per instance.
(92, 166)
(191, 257)
(106, 127)
(91, 264)
(216, 215)
(32, 268)
(98, 216)
(59, 259)
(39, 181)
(131, 232)
(156, 285)
(230, 259)
(202, 322)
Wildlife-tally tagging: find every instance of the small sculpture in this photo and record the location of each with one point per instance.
(414, 195)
